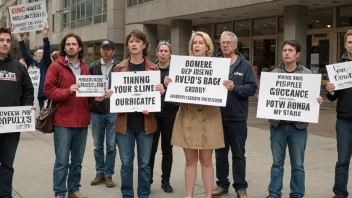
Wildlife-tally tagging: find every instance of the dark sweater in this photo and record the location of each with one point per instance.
(344, 96)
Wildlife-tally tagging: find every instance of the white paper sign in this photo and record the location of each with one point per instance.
(35, 77)
(28, 17)
(90, 85)
(340, 75)
(135, 92)
(292, 97)
(198, 80)
(17, 119)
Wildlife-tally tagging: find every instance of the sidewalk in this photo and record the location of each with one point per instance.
(35, 160)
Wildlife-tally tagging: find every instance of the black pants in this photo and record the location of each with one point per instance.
(235, 136)
(41, 102)
(165, 126)
(8, 147)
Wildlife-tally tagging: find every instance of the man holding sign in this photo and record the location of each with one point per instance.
(19, 91)
(343, 126)
(289, 133)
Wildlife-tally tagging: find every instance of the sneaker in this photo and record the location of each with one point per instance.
(166, 187)
(108, 181)
(76, 194)
(269, 196)
(242, 193)
(220, 191)
(99, 178)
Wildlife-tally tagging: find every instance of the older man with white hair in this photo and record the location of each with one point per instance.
(241, 84)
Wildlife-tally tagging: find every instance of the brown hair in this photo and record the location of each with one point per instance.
(6, 31)
(348, 33)
(80, 44)
(140, 35)
(164, 43)
(293, 43)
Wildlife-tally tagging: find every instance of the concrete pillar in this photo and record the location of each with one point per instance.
(116, 20)
(181, 31)
(295, 21)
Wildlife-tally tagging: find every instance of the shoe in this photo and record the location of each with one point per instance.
(166, 187)
(76, 194)
(269, 196)
(108, 181)
(242, 193)
(99, 178)
(220, 191)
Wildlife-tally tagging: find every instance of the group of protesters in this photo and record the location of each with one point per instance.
(198, 129)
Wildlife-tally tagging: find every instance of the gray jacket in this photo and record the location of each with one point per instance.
(300, 70)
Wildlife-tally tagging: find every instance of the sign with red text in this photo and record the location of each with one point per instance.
(340, 75)
(288, 96)
(198, 80)
(28, 17)
(17, 119)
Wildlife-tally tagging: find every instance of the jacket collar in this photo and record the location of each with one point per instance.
(148, 65)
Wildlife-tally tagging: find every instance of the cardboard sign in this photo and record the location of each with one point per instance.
(17, 119)
(90, 85)
(340, 75)
(35, 77)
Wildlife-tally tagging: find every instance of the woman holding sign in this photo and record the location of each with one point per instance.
(198, 128)
(137, 127)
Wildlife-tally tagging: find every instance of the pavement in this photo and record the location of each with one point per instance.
(35, 161)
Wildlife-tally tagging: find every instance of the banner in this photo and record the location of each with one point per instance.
(17, 119)
(28, 17)
(198, 80)
(35, 77)
(90, 85)
(287, 96)
(340, 75)
(135, 92)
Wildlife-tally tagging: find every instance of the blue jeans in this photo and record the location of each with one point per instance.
(235, 136)
(284, 135)
(344, 151)
(68, 141)
(100, 124)
(126, 144)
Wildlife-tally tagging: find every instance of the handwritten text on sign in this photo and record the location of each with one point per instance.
(340, 75)
(28, 17)
(198, 80)
(90, 86)
(135, 92)
(35, 77)
(17, 119)
(291, 97)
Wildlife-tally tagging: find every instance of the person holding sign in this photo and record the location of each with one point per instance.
(241, 84)
(165, 121)
(198, 128)
(103, 121)
(289, 133)
(343, 126)
(19, 91)
(72, 116)
(42, 61)
(138, 127)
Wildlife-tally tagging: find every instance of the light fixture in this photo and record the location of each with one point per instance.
(317, 21)
(329, 26)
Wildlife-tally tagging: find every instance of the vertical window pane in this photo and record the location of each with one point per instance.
(74, 2)
(83, 10)
(219, 28)
(104, 17)
(81, 23)
(98, 19)
(66, 3)
(345, 17)
(98, 7)
(281, 24)
(264, 26)
(131, 3)
(89, 8)
(207, 28)
(78, 11)
(320, 19)
(73, 13)
(89, 21)
(105, 6)
(73, 25)
(243, 28)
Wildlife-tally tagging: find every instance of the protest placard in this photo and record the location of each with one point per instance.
(340, 75)
(17, 119)
(198, 80)
(288, 96)
(135, 92)
(90, 86)
(28, 17)
(35, 77)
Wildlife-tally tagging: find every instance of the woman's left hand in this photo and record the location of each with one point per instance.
(320, 100)
(160, 87)
(228, 84)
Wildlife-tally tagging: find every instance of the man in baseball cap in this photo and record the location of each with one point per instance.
(108, 43)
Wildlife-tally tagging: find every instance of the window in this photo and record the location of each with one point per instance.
(136, 2)
(345, 17)
(242, 28)
(221, 27)
(320, 19)
(207, 28)
(281, 24)
(264, 26)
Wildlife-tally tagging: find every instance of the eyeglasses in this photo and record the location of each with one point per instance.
(227, 42)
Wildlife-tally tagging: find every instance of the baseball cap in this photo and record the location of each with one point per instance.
(107, 43)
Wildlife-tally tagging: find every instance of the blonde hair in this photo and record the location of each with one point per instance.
(207, 41)
(38, 51)
(348, 33)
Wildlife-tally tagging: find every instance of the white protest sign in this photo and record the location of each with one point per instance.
(28, 17)
(90, 85)
(198, 80)
(288, 96)
(35, 77)
(340, 75)
(135, 92)
(17, 119)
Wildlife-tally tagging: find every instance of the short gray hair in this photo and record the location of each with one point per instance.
(234, 37)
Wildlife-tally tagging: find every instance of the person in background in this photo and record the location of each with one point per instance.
(103, 122)
(343, 126)
(42, 61)
(23, 62)
(137, 127)
(165, 121)
(55, 55)
(16, 89)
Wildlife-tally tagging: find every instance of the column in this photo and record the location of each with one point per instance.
(181, 31)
